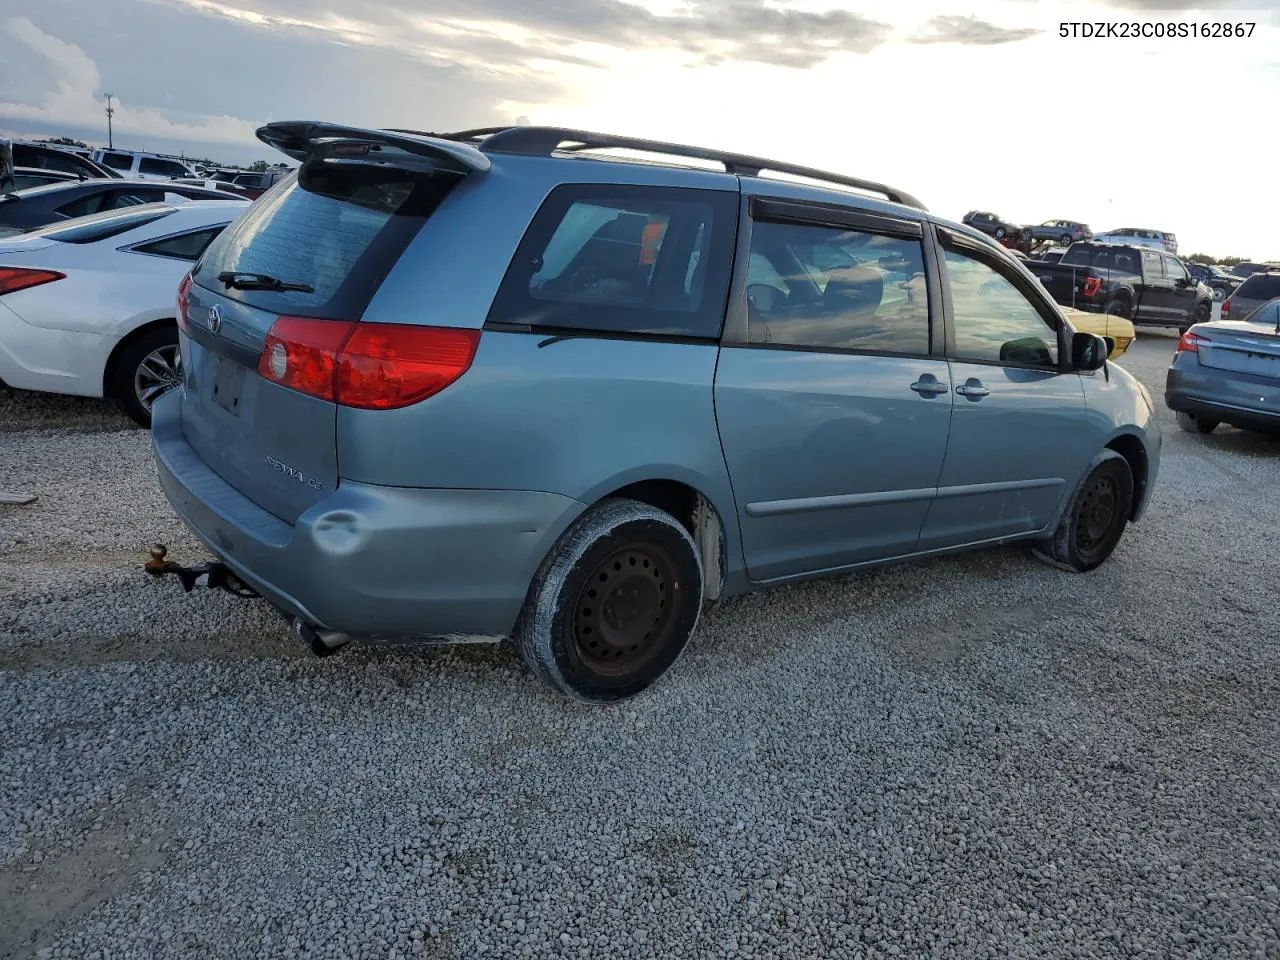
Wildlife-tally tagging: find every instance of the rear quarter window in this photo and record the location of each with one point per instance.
(623, 259)
(1260, 286)
(339, 227)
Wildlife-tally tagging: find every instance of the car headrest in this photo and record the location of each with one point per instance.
(854, 288)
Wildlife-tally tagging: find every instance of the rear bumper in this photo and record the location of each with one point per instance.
(368, 560)
(1239, 399)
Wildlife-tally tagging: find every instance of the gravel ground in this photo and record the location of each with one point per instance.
(976, 756)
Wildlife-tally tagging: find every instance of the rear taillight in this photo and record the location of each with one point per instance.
(184, 295)
(301, 353)
(384, 366)
(1091, 286)
(375, 366)
(13, 279)
(1190, 343)
(1226, 306)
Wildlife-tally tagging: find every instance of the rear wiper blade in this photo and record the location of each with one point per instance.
(261, 281)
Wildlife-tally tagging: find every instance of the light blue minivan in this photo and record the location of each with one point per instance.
(566, 388)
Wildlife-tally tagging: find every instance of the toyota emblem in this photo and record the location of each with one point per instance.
(215, 319)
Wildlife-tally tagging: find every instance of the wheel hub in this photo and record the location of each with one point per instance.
(626, 608)
(1097, 512)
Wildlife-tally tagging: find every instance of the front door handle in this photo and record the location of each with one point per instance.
(927, 386)
(973, 389)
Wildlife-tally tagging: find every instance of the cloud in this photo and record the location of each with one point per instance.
(970, 31)
(508, 35)
(58, 83)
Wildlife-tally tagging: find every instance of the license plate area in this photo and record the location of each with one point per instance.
(227, 387)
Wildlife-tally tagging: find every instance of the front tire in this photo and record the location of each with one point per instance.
(1094, 520)
(1000, 233)
(146, 368)
(1066, 239)
(614, 603)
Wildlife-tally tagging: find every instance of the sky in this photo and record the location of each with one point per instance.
(967, 106)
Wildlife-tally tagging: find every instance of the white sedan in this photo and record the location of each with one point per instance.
(87, 306)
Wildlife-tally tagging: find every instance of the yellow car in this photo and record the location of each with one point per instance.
(1118, 329)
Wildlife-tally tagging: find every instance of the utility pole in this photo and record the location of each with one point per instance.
(110, 111)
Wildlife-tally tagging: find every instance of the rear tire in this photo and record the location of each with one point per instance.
(1202, 314)
(1000, 231)
(1118, 307)
(1066, 239)
(614, 603)
(1095, 518)
(1194, 424)
(147, 367)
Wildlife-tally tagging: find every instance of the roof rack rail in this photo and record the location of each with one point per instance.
(544, 141)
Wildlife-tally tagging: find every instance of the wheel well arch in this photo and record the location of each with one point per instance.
(127, 339)
(1135, 454)
(696, 513)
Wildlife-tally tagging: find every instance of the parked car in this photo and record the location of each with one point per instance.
(1228, 371)
(1247, 269)
(1136, 283)
(1052, 255)
(1257, 289)
(990, 224)
(24, 177)
(1220, 283)
(1117, 330)
(38, 206)
(1065, 232)
(1142, 237)
(576, 424)
(87, 305)
(222, 186)
(254, 183)
(139, 165)
(44, 157)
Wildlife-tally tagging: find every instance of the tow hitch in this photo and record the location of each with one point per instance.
(217, 575)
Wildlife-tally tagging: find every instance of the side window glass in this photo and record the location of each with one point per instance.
(831, 288)
(118, 161)
(1173, 269)
(185, 246)
(620, 259)
(1125, 262)
(994, 322)
(84, 206)
(1151, 266)
(132, 198)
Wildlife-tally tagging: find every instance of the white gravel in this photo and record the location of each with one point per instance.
(971, 757)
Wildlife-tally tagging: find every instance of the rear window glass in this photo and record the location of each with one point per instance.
(1261, 286)
(623, 259)
(339, 227)
(100, 226)
(1102, 258)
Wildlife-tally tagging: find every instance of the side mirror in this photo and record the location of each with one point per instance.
(1089, 351)
(1027, 350)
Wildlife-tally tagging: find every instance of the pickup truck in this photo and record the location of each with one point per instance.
(1142, 285)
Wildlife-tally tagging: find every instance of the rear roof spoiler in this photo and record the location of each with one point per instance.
(299, 138)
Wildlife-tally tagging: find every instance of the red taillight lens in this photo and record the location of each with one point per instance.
(301, 353)
(1226, 306)
(1092, 285)
(13, 279)
(374, 366)
(1190, 343)
(384, 366)
(184, 296)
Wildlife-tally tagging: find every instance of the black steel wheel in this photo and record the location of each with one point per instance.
(1094, 520)
(614, 603)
